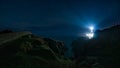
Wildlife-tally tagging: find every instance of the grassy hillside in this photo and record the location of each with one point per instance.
(24, 50)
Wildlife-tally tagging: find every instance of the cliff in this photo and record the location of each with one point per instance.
(25, 50)
(103, 49)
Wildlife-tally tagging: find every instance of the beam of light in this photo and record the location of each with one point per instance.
(91, 28)
(90, 35)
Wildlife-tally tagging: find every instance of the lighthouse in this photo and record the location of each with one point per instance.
(90, 35)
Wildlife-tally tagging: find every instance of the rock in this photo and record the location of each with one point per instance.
(8, 37)
(6, 31)
(17, 47)
(57, 46)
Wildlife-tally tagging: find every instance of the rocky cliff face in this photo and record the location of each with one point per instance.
(104, 48)
(23, 48)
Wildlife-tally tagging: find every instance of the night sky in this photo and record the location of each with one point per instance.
(56, 18)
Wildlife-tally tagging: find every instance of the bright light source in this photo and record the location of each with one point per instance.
(91, 28)
(90, 35)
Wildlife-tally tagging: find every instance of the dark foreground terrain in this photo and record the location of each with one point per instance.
(25, 50)
(103, 50)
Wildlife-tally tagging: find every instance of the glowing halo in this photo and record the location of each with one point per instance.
(91, 28)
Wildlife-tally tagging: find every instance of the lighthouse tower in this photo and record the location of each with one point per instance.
(90, 35)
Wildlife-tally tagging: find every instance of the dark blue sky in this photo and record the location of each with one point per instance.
(58, 17)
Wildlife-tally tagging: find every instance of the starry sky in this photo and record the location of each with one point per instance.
(58, 17)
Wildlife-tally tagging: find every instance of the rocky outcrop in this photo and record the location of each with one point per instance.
(57, 46)
(10, 36)
(5, 31)
(15, 46)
